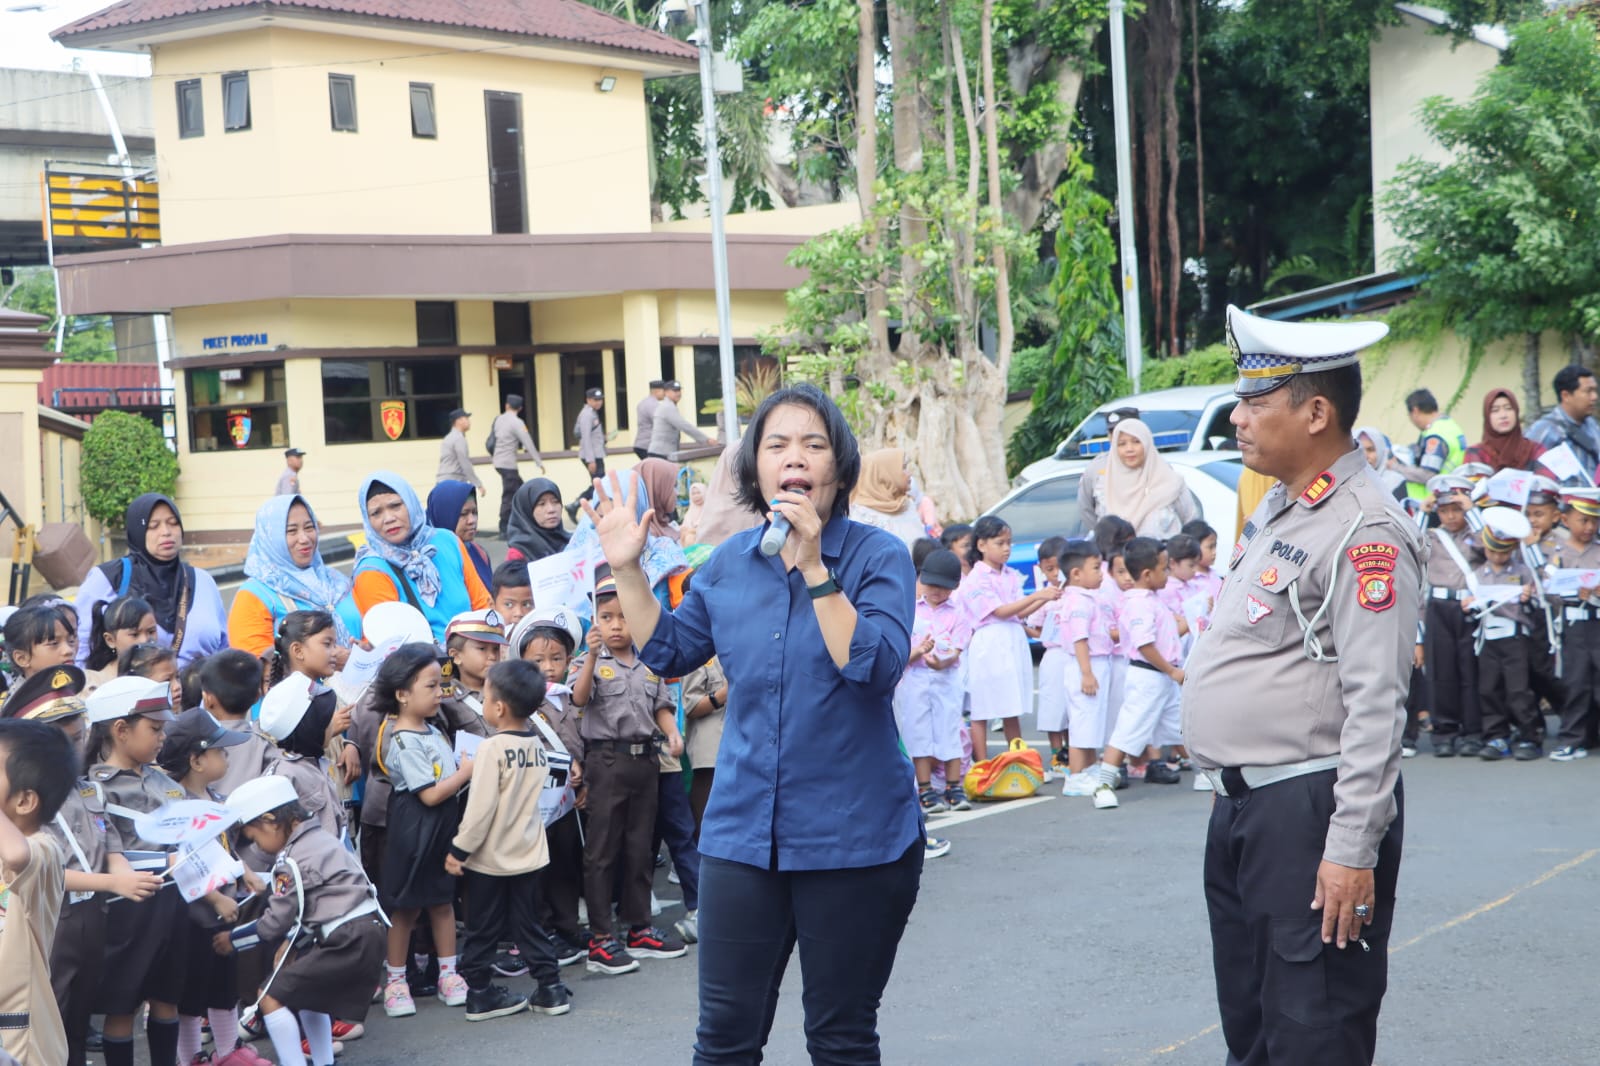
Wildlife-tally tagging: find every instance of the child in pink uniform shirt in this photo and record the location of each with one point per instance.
(927, 702)
(1152, 707)
(1043, 625)
(1086, 634)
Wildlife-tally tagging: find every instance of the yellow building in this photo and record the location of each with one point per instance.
(375, 212)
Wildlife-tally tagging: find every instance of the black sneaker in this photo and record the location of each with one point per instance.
(932, 802)
(608, 956)
(95, 1041)
(493, 1001)
(1469, 747)
(1495, 750)
(1444, 745)
(553, 999)
(1160, 773)
(1122, 777)
(509, 964)
(648, 942)
(1526, 750)
(566, 952)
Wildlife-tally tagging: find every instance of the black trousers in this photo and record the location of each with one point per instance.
(1580, 671)
(77, 956)
(562, 885)
(599, 471)
(847, 924)
(1286, 998)
(1417, 700)
(1542, 676)
(510, 482)
(1504, 690)
(622, 820)
(504, 908)
(675, 825)
(641, 453)
(1452, 672)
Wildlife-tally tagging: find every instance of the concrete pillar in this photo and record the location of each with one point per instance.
(641, 337)
(22, 363)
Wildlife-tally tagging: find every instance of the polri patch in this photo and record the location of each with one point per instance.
(1374, 563)
(1289, 553)
(1318, 488)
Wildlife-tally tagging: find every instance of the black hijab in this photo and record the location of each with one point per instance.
(161, 584)
(527, 536)
(309, 738)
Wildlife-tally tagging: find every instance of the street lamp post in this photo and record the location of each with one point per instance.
(1125, 194)
(719, 236)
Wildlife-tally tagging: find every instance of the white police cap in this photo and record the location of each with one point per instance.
(1268, 352)
(124, 697)
(259, 795)
(284, 705)
(1504, 528)
(1442, 485)
(553, 617)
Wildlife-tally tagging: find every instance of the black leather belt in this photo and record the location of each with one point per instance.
(636, 748)
(1142, 665)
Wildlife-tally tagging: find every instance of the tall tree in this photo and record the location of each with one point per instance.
(1504, 233)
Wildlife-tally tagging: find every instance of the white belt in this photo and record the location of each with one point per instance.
(369, 907)
(1449, 594)
(1573, 612)
(1262, 776)
(1499, 627)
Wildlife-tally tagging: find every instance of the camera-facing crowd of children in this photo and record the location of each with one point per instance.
(502, 785)
(1114, 613)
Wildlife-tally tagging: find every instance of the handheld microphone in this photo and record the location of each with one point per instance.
(777, 534)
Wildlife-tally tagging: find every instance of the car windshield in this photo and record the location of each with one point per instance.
(1226, 471)
(1171, 429)
(1046, 509)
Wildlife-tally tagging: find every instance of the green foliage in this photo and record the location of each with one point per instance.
(1505, 233)
(89, 338)
(124, 456)
(1086, 368)
(1211, 365)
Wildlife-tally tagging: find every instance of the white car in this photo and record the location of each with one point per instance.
(1193, 418)
(1048, 507)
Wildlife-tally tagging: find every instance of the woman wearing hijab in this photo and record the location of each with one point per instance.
(660, 479)
(1503, 445)
(406, 559)
(723, 514)
(189, 614)
(1377, 450)
(534, 529)
(689, 528)
(883, 496)
(1141, 486)
(286, 573)
(453, 505)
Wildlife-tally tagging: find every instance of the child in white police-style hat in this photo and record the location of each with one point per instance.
(1512, 723)
(300, 715)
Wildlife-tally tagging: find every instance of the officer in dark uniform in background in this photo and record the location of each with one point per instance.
(1320, 609)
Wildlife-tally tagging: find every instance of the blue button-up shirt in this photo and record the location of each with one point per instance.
(810, 771)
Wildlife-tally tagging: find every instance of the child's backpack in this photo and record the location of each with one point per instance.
(1013, 774)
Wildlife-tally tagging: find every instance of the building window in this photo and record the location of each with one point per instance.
(342, 101)
(513, 326)
(422, 120)
(708, 374)
(389, 399)
(237, 409)
(436, 323)
(236, 101)
(580, 372)
(619, 401)
(191, 109)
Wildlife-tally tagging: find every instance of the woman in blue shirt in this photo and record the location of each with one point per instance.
(812, 834)
(406, 559)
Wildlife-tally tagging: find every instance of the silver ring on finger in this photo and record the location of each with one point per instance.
(1362, 910)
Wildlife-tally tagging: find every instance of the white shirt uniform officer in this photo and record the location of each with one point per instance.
(1319, 612)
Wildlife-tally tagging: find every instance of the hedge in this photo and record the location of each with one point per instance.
(124, 456)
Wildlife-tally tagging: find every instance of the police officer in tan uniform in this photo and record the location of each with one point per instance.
(1319, 608)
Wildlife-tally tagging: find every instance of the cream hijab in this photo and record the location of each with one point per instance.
(1136, 493)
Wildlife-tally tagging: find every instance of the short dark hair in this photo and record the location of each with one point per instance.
(1342, 388)
(233, 676)
(555, 633)
(69, 612)
(1077, 551)
(519, 683)
(846, 452)
(954, 533)
(1111, 532)
(31, 626)
(1140, 555)
(1182, 546)
(142, 657)
(1419, 400)
(113, 616)
(39, 759)
(296, 627)
(189, 683)
(399, 671)
(921, 548)
(1568, 378)
(510, 576)
(1199, 529)
(1051, 548)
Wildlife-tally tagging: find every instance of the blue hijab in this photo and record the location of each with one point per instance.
(445, 504)
(269, 562)
(414, 557)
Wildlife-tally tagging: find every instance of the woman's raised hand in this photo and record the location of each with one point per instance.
(622, 536)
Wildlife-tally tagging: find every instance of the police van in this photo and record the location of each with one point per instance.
(1193, 418)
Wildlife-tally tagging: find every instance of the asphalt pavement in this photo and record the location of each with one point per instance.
(1054, 932)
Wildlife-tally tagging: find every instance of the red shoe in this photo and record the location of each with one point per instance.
(348, 1030)
(305, 1048)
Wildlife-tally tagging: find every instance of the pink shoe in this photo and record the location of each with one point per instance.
(243, 1055)
(452, 989)
(397, 1001)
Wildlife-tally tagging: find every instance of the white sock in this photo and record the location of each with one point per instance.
(397, 974)
(224, 1030)
(447, 964)
(319, 1035)
(1109, 775)
(285, 1034)
(189, 1039)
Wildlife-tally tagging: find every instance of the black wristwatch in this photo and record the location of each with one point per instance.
(829, 586)
(716, 705)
